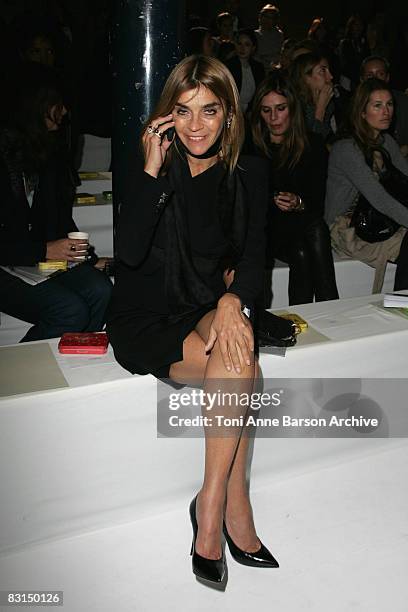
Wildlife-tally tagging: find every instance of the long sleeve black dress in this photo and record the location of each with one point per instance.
(306, 179)
(301, 238)
(146, 336)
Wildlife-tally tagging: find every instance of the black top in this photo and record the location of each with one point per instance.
(235, 67)
(306, 179)
(25, 230)
(141, 237)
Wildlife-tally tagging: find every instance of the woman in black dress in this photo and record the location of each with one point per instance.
(193, 211)
(297, 233)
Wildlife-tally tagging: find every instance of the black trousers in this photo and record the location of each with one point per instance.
(75, 301)
(401, 273)
(311, 267)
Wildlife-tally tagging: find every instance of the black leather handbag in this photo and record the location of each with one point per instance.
(275, 331)
(369, 223)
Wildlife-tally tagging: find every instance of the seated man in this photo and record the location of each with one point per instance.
(270, 37)
(37, 193)
(378, 67)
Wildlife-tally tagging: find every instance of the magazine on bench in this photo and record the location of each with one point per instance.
(30, 274)
(396, 300)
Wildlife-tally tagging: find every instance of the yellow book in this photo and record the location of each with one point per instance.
(52, 264)
(297, 319)
(85, 198)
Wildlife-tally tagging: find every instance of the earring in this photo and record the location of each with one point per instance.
(228, 122)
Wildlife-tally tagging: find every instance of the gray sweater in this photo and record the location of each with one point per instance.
(349, 174)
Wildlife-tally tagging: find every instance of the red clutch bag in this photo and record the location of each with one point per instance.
(94, 343)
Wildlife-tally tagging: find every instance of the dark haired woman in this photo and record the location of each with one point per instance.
(356, 164)
(195, 211)
(37, 193)
(247, 72)
(297, 169)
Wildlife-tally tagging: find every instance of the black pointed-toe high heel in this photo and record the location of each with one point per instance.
(260, 558)
(212, 570)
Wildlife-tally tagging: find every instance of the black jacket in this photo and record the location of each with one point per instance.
(141, 237)
(25, 230)
(235, 67)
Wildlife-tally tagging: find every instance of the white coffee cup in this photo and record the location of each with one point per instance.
(83, 241)
(79, 236)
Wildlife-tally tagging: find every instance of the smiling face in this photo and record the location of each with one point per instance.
(379, 110)
(199, 119)
(275, 113)
(320, 76)
(245, 47)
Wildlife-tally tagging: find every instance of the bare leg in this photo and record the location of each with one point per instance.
(225, 457)
(220, 455)
(238, 513)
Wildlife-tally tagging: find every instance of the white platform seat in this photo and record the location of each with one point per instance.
(354, 279)
(94, 503)
(95, 153)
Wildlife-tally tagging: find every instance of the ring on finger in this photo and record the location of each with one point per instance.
(158, 133)
(150, 129)
(72, 247)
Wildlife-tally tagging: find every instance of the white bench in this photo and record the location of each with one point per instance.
(354, 279)
(95, 504)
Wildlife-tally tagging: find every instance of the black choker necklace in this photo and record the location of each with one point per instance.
(213, 150)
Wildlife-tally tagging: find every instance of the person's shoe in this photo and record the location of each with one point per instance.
(212, 570)
(260, 558)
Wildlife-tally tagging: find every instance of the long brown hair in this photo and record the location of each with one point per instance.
(295, 140)
(301, 67)
(200, 70)
(357, 127)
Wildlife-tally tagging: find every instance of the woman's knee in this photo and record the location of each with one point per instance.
(71, 315)
(299, 257)
(100, 286)
(317, 235)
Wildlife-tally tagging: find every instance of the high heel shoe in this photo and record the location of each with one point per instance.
(212, 570)
(260, 558)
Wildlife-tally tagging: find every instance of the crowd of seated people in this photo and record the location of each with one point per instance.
(299, 98)
(325, 74)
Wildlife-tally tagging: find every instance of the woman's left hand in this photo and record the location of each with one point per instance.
(233, 331)
(287, 201)
(101, 263)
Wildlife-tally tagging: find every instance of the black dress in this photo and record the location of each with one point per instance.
(302, 238)
(145, 335)
(306, 179)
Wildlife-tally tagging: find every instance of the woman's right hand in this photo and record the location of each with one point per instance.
(62, 249)
(322, 98)
(286, 201)
(155, 145)
(233, 331)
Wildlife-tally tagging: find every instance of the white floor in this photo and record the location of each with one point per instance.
(338, 526)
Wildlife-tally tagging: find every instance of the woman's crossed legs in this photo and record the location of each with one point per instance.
(225, 490)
